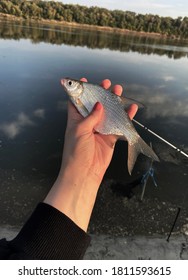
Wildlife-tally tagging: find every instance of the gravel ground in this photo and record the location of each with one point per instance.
(122, 226)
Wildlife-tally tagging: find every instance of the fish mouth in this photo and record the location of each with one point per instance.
(63, 82)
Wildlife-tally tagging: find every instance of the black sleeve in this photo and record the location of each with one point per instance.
(48, 234)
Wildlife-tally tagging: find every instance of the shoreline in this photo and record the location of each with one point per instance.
(129, 217)
(89, 27)
(109, 247)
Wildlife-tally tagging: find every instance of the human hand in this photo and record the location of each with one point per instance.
(86, 157)
(90, 152)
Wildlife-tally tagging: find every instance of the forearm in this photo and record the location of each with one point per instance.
(74, 194)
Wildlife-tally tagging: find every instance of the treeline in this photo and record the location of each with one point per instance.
(93, 39)
(51, 10)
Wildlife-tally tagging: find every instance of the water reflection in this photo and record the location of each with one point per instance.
(58, 35)
(12, 129)
(160, 103)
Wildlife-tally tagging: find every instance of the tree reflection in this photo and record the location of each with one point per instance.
(93, 39)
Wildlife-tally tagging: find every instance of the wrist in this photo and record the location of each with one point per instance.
(74, 195)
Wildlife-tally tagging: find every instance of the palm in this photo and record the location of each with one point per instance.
(95, 149)
(104, 147)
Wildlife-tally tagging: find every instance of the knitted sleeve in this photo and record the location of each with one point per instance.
(48, 234)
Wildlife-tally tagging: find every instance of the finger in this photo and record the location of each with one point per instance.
(132, 110)
(94, 117)
(106, 83)
(118, 90)
(83, 80)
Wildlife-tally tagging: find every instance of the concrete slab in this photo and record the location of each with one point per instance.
(105, 247)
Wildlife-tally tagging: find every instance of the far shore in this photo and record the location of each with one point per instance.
(87, 26)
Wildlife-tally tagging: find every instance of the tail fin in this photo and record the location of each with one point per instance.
(135, 149)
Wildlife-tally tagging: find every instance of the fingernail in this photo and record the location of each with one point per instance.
(106, 83)
(98, 106)
(83, 80)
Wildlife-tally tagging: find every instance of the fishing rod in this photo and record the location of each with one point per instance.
(155, 134)
(147, 174)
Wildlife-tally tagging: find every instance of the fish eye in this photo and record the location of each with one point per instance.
(70, 83)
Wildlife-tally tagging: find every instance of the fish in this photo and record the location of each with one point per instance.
(115, 119)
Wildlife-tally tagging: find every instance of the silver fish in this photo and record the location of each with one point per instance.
(115, 119)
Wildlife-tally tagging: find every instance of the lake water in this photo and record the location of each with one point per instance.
(33, 107)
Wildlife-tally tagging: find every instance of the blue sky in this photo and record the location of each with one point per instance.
(172, 8)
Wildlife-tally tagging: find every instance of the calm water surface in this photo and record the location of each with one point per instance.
(33, 59)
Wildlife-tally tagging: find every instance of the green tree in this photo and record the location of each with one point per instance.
(6, 7)
(38, 9)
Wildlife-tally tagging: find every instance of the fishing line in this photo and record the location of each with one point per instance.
(145, 177)
(177, 215)
(155, 134)
(178, 150)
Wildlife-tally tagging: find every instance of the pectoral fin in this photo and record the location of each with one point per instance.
(81, 108)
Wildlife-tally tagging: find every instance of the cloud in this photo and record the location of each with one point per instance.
(158, 102)
(62, 105)
(24, 120)
(162, 6)
(147, 6)
(172, 8)
(164, 106)
(39, 113)
(168, 78)
(12, 129)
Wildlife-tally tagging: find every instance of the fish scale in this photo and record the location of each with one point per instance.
(115, 120)
(113, 109)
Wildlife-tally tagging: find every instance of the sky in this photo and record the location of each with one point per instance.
(172, 8)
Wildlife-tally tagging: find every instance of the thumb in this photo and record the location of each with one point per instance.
(94, 117)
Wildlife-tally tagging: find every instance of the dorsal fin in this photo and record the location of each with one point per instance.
(128, 101)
